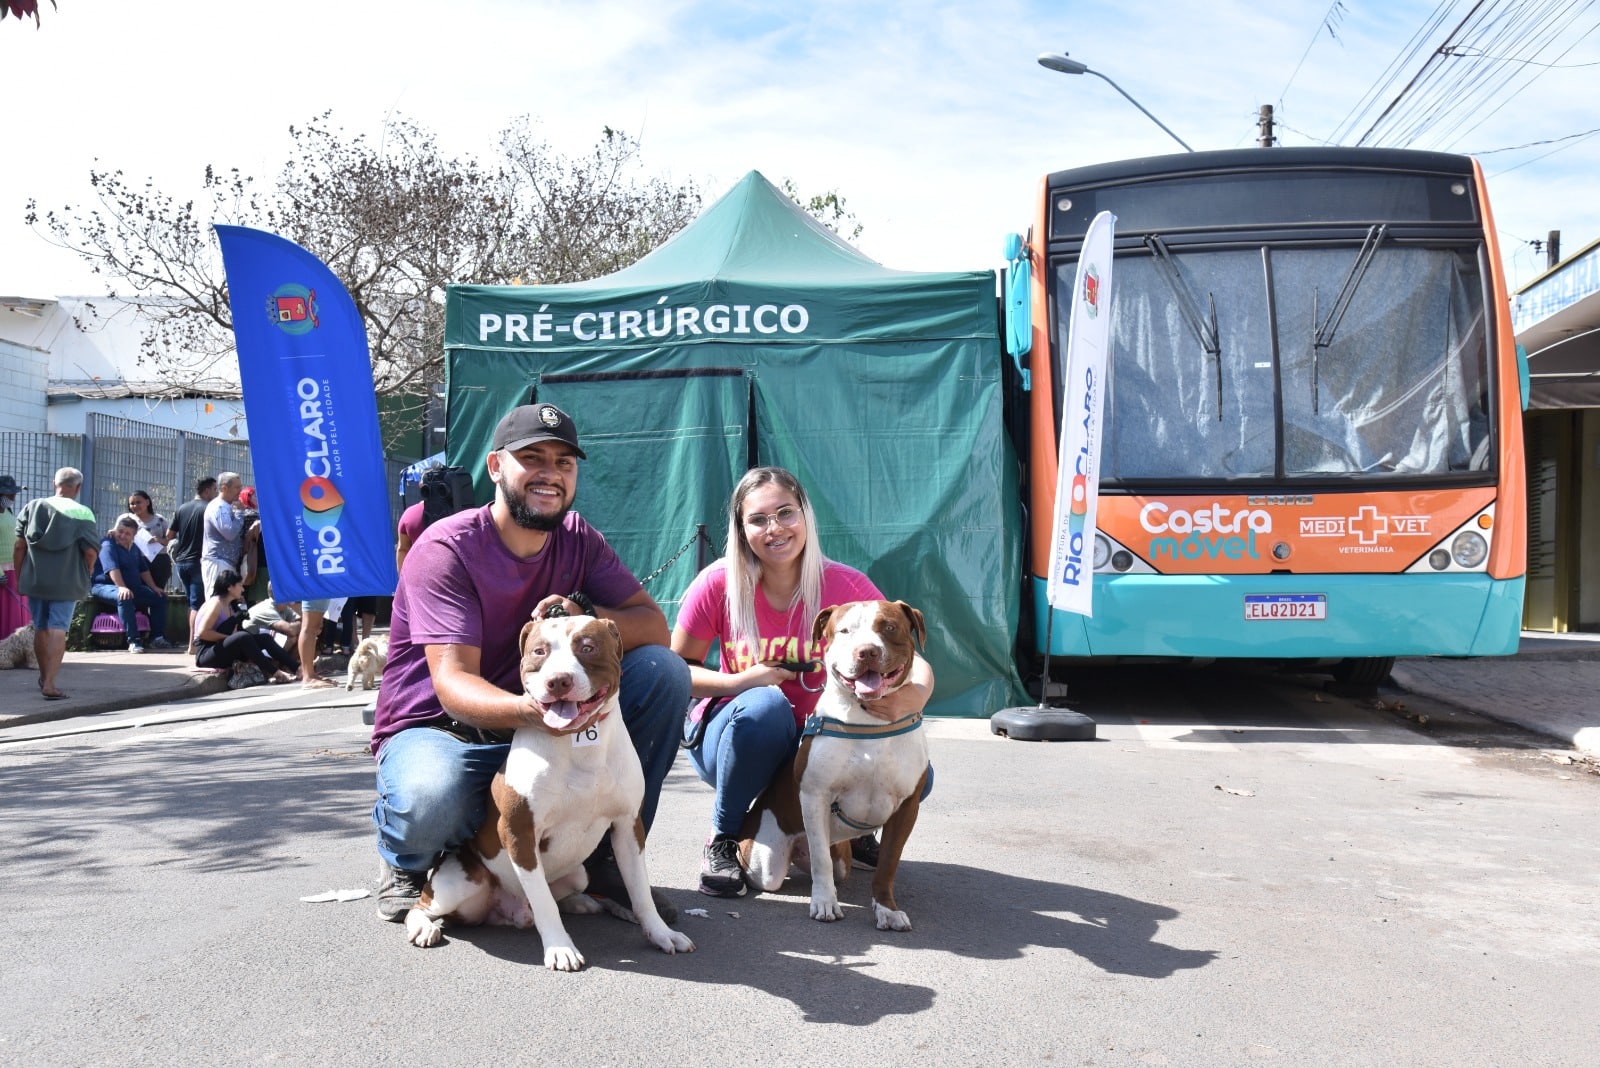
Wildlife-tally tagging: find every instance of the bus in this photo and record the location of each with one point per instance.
(1312, 437)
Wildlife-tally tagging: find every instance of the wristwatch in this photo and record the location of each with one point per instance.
(581, 599)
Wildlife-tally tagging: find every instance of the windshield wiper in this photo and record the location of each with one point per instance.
(1204, 331)
(1341, 303)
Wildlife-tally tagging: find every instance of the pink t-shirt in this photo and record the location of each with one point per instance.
(411, 523)
(783, 635)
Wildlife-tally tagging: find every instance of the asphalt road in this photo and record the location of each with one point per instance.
(1241, 869)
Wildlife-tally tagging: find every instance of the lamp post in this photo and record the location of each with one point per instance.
(1059, 62)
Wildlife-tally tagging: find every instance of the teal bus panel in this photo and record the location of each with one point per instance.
(1201, 616)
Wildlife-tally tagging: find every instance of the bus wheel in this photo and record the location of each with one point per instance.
(1363, 671)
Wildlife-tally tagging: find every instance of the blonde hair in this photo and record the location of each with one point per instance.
(744, 568)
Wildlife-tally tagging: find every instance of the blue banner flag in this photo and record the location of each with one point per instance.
(313, 418)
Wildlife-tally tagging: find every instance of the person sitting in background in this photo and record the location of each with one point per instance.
(122, 578)
(277, 620)
(222, 640)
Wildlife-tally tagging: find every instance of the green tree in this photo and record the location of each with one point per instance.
(828, 209)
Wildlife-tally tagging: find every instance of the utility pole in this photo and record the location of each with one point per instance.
(1264, 124)
(1552, 249)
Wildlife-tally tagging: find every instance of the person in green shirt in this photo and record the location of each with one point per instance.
(57, 544)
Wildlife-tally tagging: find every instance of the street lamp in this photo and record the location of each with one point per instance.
(1060, 62)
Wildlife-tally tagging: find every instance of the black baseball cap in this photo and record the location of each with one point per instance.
(535, 422)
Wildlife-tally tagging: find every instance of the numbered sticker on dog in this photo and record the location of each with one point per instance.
(590, 735)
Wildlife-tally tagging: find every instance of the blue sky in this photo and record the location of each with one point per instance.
(933, 120)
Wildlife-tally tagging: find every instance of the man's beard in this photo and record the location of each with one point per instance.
(526, 517)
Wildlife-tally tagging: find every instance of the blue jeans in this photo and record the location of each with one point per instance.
(743, 747)
(128, 611)
(193, 584)
(432, 785)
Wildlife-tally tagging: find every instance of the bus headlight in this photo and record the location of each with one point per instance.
(1121, 560)
(1470, 549)
(1438, 559)
(1102, 551)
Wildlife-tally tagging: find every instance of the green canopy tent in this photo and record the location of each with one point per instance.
(757, 336)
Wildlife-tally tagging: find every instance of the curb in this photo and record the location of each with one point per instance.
(196, 686)
(1585, 739)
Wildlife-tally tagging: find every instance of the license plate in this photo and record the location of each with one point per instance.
(1286, 606)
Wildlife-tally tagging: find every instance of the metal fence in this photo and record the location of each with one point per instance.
(34, 459)
(118, 456)
(122, 455)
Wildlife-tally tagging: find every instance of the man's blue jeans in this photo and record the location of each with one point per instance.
(155, 604)
(432, 785)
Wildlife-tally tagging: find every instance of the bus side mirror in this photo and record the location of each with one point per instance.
(1522, 374)
(1018, 309)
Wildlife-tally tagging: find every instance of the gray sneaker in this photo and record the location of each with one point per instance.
(398, 890)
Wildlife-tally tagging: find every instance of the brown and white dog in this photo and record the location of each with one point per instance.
(853, 772)
(567, 780)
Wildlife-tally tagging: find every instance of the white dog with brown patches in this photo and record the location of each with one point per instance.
(567, 780)
(853, 772)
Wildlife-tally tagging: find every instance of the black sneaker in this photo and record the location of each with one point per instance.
(864, 853)
(720, 874)
(606, 886)
(398, 890)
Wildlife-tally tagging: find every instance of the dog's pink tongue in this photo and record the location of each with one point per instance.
(867, 685)
(560, 714)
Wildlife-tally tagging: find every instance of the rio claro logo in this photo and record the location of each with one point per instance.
(1091, 291)
(323, 504)
(293, 309)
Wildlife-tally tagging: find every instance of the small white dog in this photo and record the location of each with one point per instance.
(367, 663)
(16, 650)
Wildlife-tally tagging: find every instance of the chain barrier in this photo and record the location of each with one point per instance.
(699, 535)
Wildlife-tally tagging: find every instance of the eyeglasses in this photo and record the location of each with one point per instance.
(786, 516)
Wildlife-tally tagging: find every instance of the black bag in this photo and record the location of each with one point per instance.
(445, 491)
(701, 712)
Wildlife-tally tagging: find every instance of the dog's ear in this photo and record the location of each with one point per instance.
(522, 639)
(919, 629)
(819, 626)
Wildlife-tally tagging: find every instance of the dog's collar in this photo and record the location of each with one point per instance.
(816, 723)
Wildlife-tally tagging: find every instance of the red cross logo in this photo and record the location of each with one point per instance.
(1367, 524)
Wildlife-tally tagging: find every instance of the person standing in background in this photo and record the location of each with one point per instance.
(57, 545)
(188, 538)
(13, 610)
(222, 544)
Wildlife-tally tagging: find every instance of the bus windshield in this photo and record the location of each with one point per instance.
(1356, 362)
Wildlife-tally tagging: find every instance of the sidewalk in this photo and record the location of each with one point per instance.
(118, 680)
(1551, 687)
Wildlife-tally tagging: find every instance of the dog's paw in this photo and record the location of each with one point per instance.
(423, 931)
(563, 958)
(890, 919)
(826, 909)
(667, 940)
(580, 905)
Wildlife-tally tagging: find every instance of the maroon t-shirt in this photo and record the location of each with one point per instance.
(462, 586)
